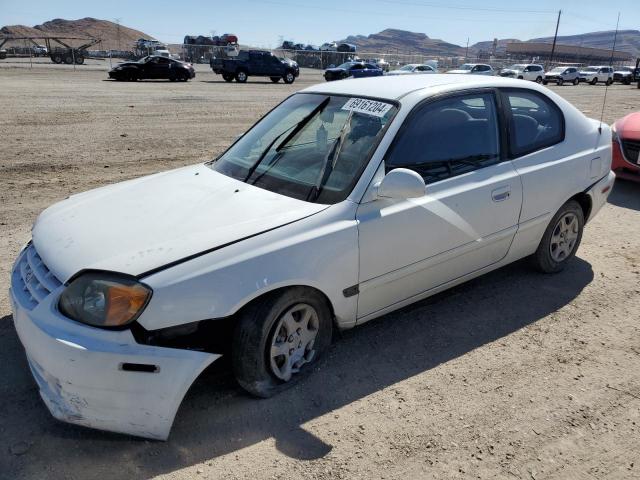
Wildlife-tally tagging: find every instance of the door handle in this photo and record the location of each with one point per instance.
(501, 194)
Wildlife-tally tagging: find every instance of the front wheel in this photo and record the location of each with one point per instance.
(241, 76)
(560, 82)
(576, 81)
(278, 339)
(561, 238)
(609, 82)
(594, 81)
(289, 78)
(227, 77)
(539, 80)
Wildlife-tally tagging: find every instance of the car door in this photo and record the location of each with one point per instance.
(466, 220)
(160, 67)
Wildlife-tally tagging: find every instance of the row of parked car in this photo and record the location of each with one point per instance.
(533, 72)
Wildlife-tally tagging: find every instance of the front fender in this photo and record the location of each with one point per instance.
(320, 251)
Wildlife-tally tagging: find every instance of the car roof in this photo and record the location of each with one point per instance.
(394, 87)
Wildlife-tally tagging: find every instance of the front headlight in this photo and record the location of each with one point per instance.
(104, 299)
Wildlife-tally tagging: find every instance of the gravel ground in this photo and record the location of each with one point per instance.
(512, 375)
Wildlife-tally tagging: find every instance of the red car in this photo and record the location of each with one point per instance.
(626, 146)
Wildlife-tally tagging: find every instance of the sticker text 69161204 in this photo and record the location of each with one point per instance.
(368, 107)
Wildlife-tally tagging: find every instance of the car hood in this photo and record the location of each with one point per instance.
(335, 70)
(399, 72)
(628, 127)
(143, 224)
(459, 71)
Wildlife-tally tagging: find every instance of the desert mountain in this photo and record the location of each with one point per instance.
(113, 36)
(401, 41)
(393, 40)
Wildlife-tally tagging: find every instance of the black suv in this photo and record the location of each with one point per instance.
(255, 63)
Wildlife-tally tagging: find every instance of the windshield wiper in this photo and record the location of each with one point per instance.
(296, 128)
(333, 154)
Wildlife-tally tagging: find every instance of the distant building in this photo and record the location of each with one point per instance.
(565, 53)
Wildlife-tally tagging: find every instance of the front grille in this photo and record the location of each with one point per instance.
(631, 148)
(31, 280)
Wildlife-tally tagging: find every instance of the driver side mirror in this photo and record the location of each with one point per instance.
(401, 183)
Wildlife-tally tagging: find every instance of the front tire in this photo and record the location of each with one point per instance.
(278, 339)
(289, 78)
(227, 77)
(241, 76)
(539, 80)
(561, 239)
(594, 81)
(576, 81)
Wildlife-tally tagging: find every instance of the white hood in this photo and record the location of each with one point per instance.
(135, 226)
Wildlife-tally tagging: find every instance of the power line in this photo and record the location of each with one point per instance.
(465, 7)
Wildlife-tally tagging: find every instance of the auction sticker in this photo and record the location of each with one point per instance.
(368, 107)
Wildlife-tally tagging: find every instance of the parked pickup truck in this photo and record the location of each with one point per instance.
(255, 63)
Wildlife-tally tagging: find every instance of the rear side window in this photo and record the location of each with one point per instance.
(535, 122)
(448, 137)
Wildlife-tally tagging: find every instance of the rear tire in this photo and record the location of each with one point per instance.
(79, 60)
(561, 239)
(609, 82)
(275, 79)
(576, 81)
(545, 82)
(56, 58)
(594, 81)
(68, 60)
(278, 339)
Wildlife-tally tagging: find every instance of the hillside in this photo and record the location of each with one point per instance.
(401, 41)
(113, 37)
(627, 41)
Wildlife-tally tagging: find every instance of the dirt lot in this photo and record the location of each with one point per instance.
(513, 375)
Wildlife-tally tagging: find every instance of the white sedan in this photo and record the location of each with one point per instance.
(347, 201)
(413, 68)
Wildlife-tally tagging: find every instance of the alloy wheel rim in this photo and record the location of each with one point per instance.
(293, 340)
(564, 237)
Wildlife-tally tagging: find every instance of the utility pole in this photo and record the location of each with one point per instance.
(118, 20)
(466, 52)
(555, 37)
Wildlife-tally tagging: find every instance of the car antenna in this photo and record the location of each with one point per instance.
(606, 87)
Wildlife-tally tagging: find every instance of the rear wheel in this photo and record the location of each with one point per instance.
(56, 58)
(79, 60)
(289, 78)
(576, 81)
(609, 82)
(594, 81)
(560, 82)
(277, 340)
(241, 76)
(544, 82)
(520, 77)
(132, 76)
(68, 59)
(561, 238)
(275, 79)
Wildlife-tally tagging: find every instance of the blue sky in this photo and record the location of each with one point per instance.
(262, 23)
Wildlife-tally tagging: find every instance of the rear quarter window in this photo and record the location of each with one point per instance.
(535, 121)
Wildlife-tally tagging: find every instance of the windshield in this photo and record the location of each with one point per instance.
(590, 69)
(311, 147)
(145, 59)
(466, 66)
(407, 68)
(517, 66)
(558, 69)
(346, 65)
(625, 69)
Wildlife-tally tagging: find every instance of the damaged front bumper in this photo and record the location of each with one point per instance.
(102, 378)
